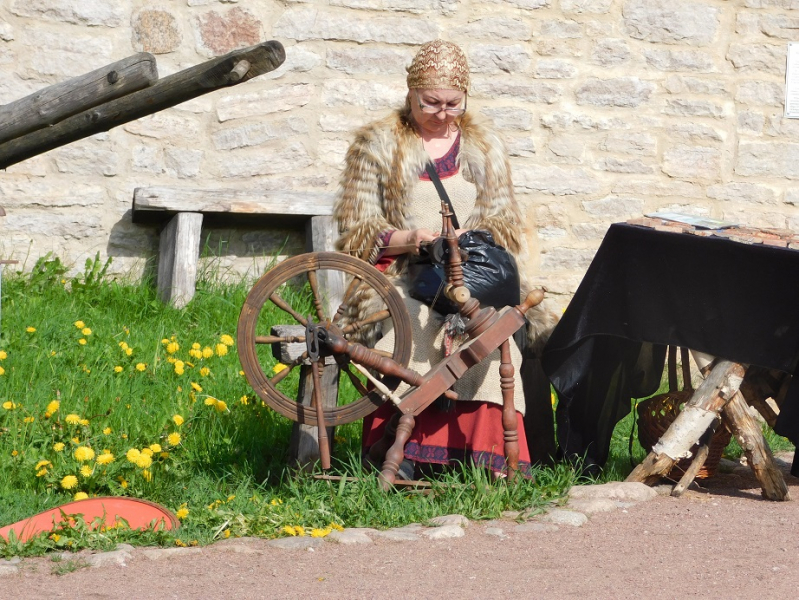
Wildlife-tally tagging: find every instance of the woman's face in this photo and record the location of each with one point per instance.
(424, 101)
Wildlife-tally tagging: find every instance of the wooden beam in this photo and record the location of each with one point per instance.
(57, 102)
(182, 86)
(178, 254)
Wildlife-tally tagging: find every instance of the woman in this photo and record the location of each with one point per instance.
(388, 206)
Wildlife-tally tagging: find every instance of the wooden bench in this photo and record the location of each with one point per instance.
(185, 211)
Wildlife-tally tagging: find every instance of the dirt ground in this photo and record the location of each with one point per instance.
(722, 541)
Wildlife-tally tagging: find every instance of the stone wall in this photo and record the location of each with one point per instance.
(610, 108)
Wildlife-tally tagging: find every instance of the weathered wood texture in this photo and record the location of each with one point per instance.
(180, 87)
(57, 102)
(159, 203)
(177, 259)
(691, 424)
(748, 433)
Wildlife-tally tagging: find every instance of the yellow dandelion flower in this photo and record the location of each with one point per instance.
(82, 341)
(107, 431)
(172, 347)
(226, 339)
(133, 455)
(28, 419)
(3, 355)
(288, 530)
(72, 419)
(205, 371)
(2, 371)
(221, 405)
(336, 526)
(179, 371)
(177, 420)
(30, 329)
(53, 406)
(244, 400)
(279, 367)
(208, 352)
(118, 369)
(147, 475)
(143, 461)
(69, 482)
(300, 530)
(86, 331)
(105, 458)
(196, 353)
(147, 452)
(180, 543)
(14, 453)
(164, 455)
(164, 341)
(242, 372)
(123, 484)
(42, 463)
(84, 421)
(174, 439)
(80, 496)
(55, 537)
(221, 350)
(83, 453)
(41, 473)
(140, 367)
(8, 405)
(195, 346)
(182, 513)
(320, 533)
(75, 440)
(80, 324)
(156, 448)
(196, 387)
(128, 351)
(226, 534)
(124, 436)
(58, 446)
(210, 401)
(86, 471)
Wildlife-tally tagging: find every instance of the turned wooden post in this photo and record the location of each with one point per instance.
(510, 420)
(396, 453)
(750, 436)
(691, 424)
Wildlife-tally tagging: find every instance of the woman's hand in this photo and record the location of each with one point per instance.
(409, 240)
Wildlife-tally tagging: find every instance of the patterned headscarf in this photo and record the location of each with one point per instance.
(439, 65)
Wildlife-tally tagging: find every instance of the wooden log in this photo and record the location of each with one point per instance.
(57, 102)
(180, 87)
(690, 473)
(750, 436)
(178, 253)
(758, 387)
(696, 417)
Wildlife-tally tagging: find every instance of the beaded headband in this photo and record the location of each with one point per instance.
(439, 65)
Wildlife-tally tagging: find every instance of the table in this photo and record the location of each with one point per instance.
(647, 289)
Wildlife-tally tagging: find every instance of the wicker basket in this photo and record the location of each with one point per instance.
(655, 414)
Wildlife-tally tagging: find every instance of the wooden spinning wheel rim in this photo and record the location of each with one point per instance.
(272, 281)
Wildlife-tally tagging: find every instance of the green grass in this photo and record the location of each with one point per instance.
(106, 391)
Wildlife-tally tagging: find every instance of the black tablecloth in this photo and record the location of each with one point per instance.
(645, 290)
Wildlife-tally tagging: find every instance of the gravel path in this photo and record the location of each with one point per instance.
(721, 541)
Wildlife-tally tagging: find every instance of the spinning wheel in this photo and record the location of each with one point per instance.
(280, 287)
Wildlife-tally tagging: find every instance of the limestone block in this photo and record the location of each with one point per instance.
(586, 6)
(166, 125)
(298, 60)
(219, 34)
(516, 89)
(264, 102)
(565, 121)
(147, 159)
(693, 108)
(365, 59)
(520, 146)
(332, 152)
(495, 58)
(692, 162)
(6, 32)
(679, 84)
(53, 224)
(156, 31)
(561, 29)
(627, 92)
(550, 233)
(550, 47)
(619, 165)
(494, 28)
(680, 60)
(526, 4)
(786, 4)
(742, 192)
(610, 52)
(671, 21)
(78, 12)
(253, 134)
(555, 68)
(557, 181)
(792, 198)
(569, 149)
(87, 159)
(633, 143)
(589, 231)
(779, 26)
(66, 56)
(267, 161)
(566, 259)
(183, 163)
(647, 188)
(751, 122)
(368, 94)
(696, 132)
(614, 207)
(758, 58)
(197, 106)
(330, 122)
(776, 159)
(779, 126)
(760, 92)
(307, 23)
(35, 193)
(444, 7)
(510, 118)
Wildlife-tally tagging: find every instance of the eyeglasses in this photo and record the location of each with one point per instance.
(432, 109)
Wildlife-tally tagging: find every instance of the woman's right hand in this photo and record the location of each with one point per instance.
(409, 240)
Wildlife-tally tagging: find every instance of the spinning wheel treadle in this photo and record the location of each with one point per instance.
(315, 268)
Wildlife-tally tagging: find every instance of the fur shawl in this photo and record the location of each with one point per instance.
(382, 167)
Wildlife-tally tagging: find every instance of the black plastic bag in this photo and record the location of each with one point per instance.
(490, 273)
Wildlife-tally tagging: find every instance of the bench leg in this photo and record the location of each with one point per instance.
(178, 254)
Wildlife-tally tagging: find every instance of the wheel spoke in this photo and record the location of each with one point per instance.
(282, 375)
(353, 286)
(371, 319)
(320, 311)
(276, 339)
(355, 381)
(282, 304)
